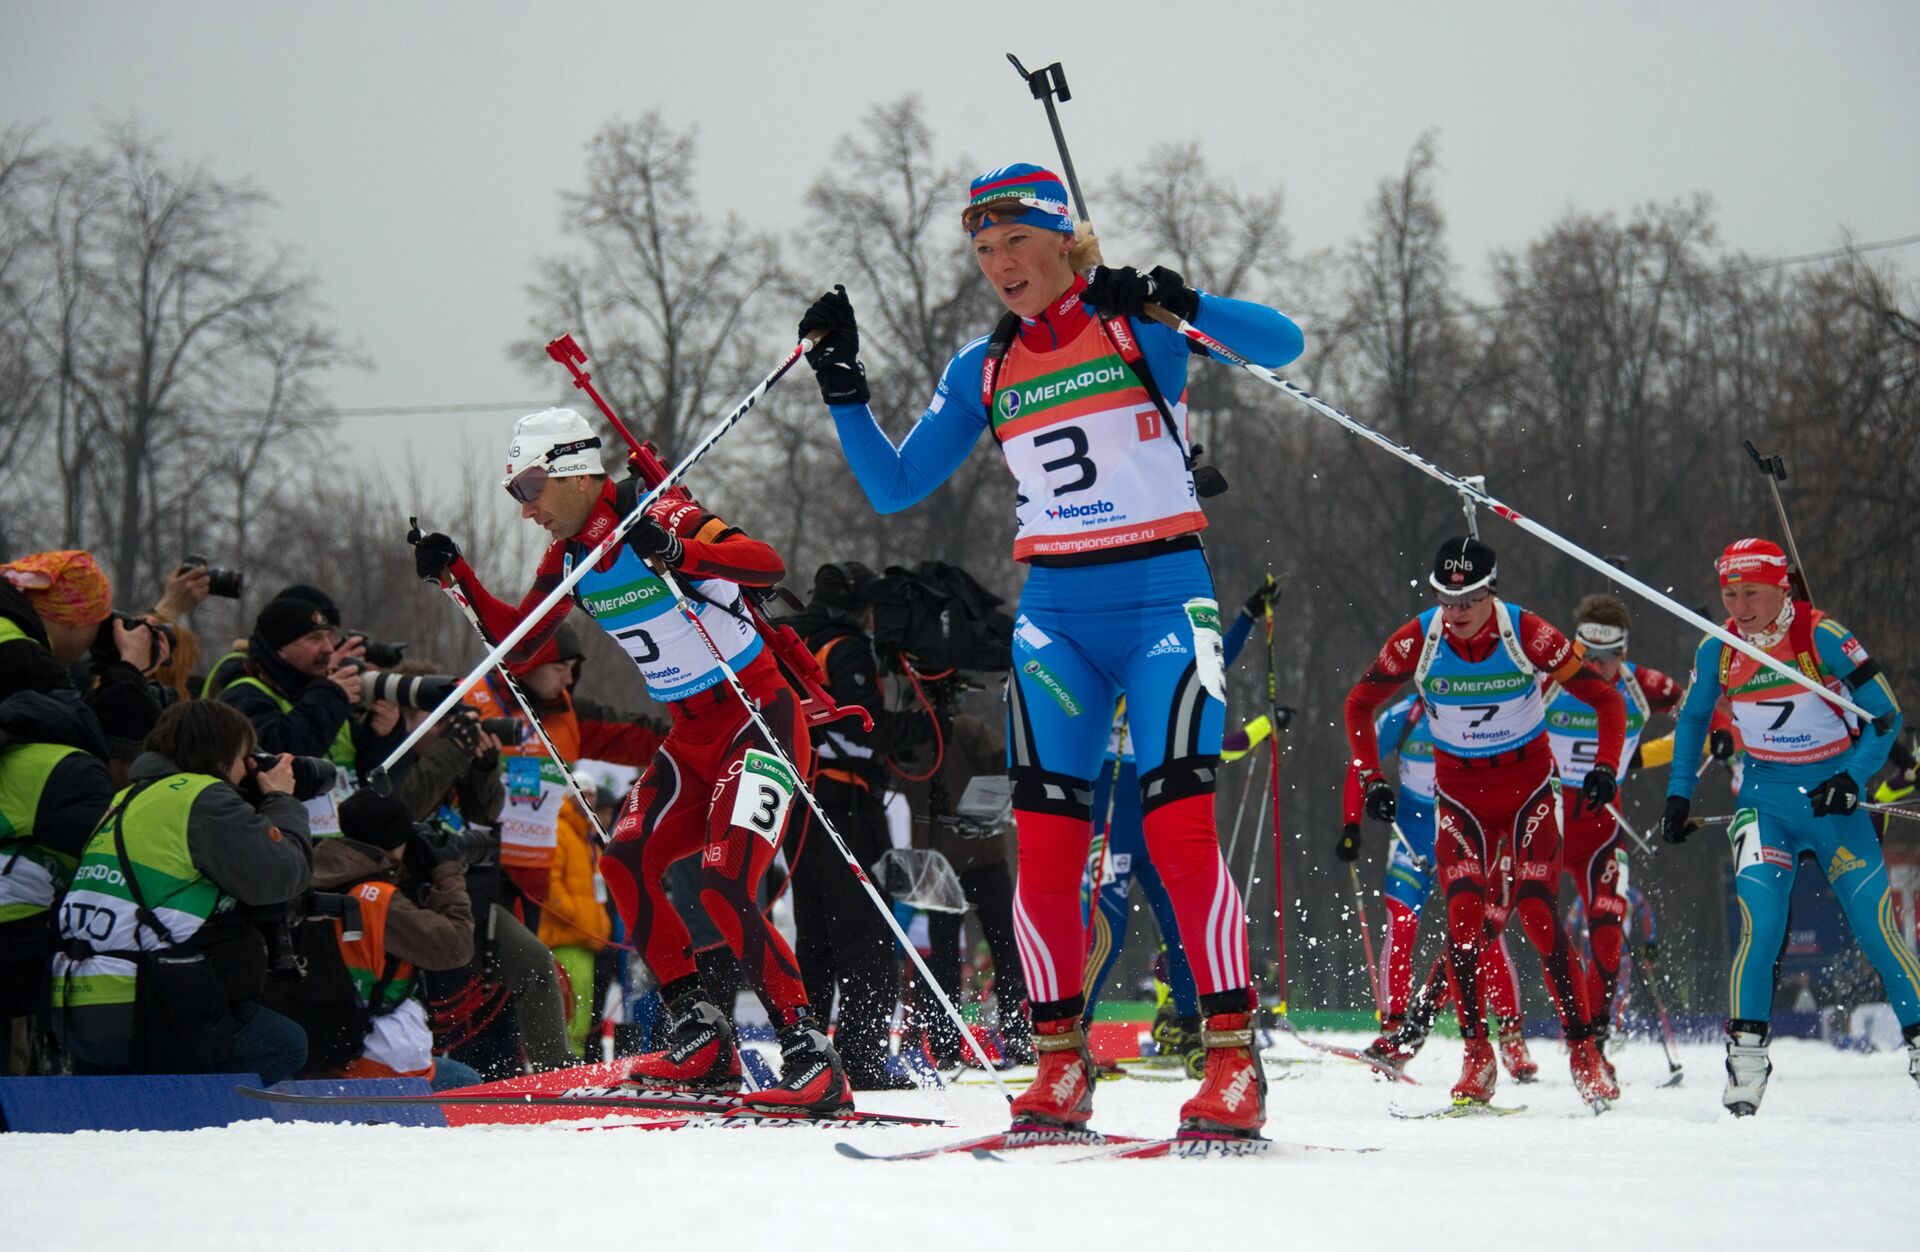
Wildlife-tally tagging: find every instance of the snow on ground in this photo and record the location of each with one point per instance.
(1827, 1163)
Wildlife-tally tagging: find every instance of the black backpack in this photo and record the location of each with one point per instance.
(322, 999)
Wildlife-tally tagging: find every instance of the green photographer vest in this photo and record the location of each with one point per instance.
(30, 873)
(323, 812)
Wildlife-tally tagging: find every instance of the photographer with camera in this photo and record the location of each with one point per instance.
(299, 692)
(56, 621)
(840, 939)
(414, 916)
(452, 780)
(161, 963)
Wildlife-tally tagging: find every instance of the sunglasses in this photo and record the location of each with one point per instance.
(1462, 599)
(527, 485)
(1003, 210)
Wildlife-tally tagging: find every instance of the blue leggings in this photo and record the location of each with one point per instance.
(1406, 881)
(1127, 860)
(1774, 825)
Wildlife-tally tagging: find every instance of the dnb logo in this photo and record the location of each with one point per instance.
(1009, 404)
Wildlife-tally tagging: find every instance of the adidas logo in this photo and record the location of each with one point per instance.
(1169, 644)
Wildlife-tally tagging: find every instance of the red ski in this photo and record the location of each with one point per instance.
(1001, 1141)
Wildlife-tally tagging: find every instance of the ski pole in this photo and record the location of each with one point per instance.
(1246, 789)
(1620, 819)
(1666, 1024)
(565, 767)
(853, 863)
(1420, 863)
(1775, 470)
(1046, 84)
(1279, 848)
(1253, 849)
(1195, 335)
(1366, 938)
(1478, 481)
(378, 778)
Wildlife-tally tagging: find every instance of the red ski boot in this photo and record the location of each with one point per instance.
(1590, 1074)
(1232, 1099)
(1398, 1042)
(811, 1076)
(1513, 1051)
(1478, 1073)
(1061, 1094)
(698, 1054)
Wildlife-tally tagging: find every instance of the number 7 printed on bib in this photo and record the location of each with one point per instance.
(765, 794)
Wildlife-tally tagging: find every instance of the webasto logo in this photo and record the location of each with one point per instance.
(1067, 512)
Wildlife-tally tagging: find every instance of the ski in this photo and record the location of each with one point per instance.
(1352, 1054)
(1463, 1109)
(1002, 1141)
(720, 1108)
(1196, 1148)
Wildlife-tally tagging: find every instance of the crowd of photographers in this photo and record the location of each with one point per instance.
(194, 875)
(197, 876)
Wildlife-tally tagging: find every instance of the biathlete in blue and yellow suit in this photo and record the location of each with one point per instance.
(1806, 762)
(1087, 400)
(1124, 859)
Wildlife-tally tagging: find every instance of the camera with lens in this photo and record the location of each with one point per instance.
(280, 923)
(225, 583)
(478, 847)
(508, 730)
(935, 618)
(313, 776)
(409, 691)
(379, 655)
(106, 651)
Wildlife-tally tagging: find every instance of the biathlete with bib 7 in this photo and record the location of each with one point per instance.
(713, 789)
(1800, 792)
(1087, 400)
(1478, 663)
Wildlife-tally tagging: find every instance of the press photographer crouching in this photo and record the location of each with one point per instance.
(414, 915)
(161, 961)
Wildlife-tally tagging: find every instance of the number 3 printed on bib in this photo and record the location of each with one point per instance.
(765, 794)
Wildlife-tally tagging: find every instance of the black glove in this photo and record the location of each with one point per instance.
(463, 729)
(1263, 595)
(836, 358)
(1283, 716)
(1381, 804)
(1674, 826)
(1720, 744)
(434, 555)
(649, 539)
(1836, 797)
(1348, 849)
(1122, 291)
(421, 855)
(1600, 787)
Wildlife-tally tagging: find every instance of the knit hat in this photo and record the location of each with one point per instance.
(312, 595)
(370, 817)
(1035, 196)
(287, 619)
(1753, 561)
(1463, 565)
(66, 588)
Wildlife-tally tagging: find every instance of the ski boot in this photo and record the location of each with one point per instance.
(1479, 1072)
(811, 1076)
(1913, 1052)
(1399, 1041)
(1232, 1099)
(1602, 1044)
(697, 1052)
(1590, 1075)
(1748, 1067)
(1192, 1048)
(1061, 1094)
(1521, 1066)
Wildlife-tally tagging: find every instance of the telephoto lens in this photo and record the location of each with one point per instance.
(508, 730)
(409, 691)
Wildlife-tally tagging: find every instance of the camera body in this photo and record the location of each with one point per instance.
(379, 655)
(225, 583)
(105, 651)
(313, 776)
(477, 846)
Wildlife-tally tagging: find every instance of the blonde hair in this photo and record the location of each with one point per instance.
(1085, 253)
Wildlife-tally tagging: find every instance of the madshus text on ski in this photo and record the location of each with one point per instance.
(310, 856)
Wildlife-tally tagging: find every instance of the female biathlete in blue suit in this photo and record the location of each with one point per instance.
(1799, 794)
(1087, 401)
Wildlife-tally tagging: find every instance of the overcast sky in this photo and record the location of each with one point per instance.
(415, 150)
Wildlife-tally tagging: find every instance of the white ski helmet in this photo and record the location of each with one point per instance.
(558, 442)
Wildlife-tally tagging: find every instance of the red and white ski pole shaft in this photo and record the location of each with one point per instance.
(379, 778)
(853, 863)
(1366, 938)
(1465, 488)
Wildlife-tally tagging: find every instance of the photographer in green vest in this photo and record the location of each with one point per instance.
(53, 789)
(161, 965)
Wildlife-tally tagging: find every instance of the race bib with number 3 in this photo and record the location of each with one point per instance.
(765, 794)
